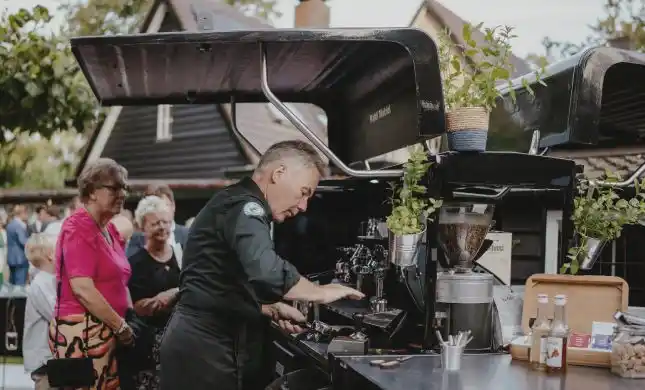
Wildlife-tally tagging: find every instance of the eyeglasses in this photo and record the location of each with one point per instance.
(115, 188)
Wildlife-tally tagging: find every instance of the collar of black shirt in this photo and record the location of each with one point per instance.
(250, 185)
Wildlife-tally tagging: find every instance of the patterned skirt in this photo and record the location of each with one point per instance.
(149, 379)
(101, 347)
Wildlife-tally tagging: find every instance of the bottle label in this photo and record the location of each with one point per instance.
(543, 350)
(554, 352)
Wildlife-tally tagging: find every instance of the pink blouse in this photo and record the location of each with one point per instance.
(87, 254)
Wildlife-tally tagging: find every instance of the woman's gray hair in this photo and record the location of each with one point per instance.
(100, 172)
(149, 204)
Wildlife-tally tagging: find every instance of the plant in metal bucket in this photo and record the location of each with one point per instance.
(411, 207)
(471, 87)
(599, 215)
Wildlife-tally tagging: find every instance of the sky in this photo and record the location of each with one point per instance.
(533, 20)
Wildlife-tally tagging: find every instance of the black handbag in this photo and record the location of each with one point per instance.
(65, 371)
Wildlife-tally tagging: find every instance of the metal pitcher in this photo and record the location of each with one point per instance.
(403, 249)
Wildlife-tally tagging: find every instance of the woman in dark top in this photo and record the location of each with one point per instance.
(154, 281)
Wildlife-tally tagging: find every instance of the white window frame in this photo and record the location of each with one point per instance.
(553, 229)
(164, 123)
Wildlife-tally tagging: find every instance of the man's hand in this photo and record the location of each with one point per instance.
(286, 316)
(333, 292)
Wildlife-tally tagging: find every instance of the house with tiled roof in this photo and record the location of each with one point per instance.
(433, 17)
(193, 147)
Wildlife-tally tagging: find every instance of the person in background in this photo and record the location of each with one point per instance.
(56, 220)
(16, 239)
(51, 216)
(95, 273)
(128, 214)
(42, 218)
(154, 282)
(3, 245)
(124, 226)
(39, 309)
(178, 233)
(75, 204)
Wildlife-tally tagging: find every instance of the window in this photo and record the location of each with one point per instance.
(164, 123)
(277, 115)
(323, 119)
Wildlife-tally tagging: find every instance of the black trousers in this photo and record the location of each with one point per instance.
(199, 352)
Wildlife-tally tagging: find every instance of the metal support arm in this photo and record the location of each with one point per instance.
(620, 184)
(311, 136)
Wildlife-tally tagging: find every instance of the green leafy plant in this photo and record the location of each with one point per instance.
(488, 64)
(599, 212)
(410, 205)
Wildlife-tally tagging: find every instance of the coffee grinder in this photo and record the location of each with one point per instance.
(464, 299)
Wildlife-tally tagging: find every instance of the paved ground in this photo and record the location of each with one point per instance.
(13, 377)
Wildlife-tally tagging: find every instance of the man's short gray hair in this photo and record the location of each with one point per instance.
(296, 149)
(148, 205)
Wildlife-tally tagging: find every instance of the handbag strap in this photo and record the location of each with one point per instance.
(59, 289)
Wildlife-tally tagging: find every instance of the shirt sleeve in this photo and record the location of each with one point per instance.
(251, 239)
(79, 255)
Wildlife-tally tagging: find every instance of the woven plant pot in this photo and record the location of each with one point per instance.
(467, 129)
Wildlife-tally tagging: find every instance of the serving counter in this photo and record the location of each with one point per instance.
(481, 372)
(423, 372)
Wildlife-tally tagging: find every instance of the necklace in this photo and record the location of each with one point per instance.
(104, 232)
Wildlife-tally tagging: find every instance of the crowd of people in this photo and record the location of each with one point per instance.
(158, 306)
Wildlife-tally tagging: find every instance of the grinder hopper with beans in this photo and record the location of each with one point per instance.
(464, 299)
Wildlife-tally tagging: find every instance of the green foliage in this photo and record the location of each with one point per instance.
(42, 90)
(475, 84)
(264, 9)
(410, 205)
(599, 212)
(624, 19)
(101, 17)
(32, 161)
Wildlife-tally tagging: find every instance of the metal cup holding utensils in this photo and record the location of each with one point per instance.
(453, 349)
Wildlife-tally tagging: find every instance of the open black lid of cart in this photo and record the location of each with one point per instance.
(380, 88)
(593, 98)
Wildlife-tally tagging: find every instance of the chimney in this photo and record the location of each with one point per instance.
(621, 42)
(312, 14)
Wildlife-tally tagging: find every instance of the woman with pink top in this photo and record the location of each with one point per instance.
(93, 269)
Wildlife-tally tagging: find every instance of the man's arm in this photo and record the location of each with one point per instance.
(271, 275)
(250, 238)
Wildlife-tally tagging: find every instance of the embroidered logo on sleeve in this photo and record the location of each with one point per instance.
(253, 209)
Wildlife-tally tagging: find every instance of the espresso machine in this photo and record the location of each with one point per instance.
(464, 299)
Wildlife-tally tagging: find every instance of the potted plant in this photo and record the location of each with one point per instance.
(599, 215)
(411, 209)
(471, 89)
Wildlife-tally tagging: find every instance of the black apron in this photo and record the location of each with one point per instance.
(204, 353)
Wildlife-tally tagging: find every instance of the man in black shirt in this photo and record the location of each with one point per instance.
(232, 279)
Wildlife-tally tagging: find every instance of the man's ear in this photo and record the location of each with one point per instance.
(277, 173)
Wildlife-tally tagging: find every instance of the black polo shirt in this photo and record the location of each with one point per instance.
(230, 266)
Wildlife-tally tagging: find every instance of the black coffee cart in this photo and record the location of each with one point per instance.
(381, 91)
